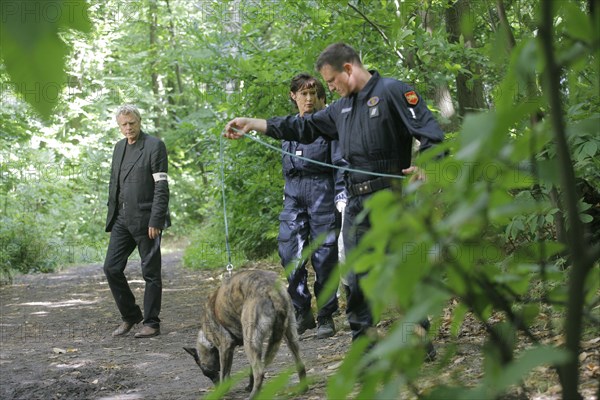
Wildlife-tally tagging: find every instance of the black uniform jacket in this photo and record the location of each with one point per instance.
(146, 188)
(375, 126)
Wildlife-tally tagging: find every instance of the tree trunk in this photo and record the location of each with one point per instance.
(153, 20)
(582, 258)
(504, 24)
(469, 88)
(440, 93)
(175, 92)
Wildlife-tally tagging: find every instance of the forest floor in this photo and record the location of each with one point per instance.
(56, 343)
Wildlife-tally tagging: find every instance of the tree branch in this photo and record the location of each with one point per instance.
(575, 237)
(378, 29)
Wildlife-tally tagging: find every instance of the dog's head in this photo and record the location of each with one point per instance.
(206, 356)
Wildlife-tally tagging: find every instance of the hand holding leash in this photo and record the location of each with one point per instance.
(237, 127)
(417, 174)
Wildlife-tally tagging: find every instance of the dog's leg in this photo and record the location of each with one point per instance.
(226, 359)
(258, 375)
(291, 337)
(253, 349)
(272, 348)
(250, 382)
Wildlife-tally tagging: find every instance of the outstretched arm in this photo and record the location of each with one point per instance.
(236, 128)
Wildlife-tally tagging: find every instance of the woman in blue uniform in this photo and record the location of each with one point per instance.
(309, 211)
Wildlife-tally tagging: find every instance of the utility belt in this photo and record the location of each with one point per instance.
(370, 186)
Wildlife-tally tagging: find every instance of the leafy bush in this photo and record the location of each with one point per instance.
(23, 248)
(53, 211)
(208, 249)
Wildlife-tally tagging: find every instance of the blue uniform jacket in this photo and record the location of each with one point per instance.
(322, 150)
(375, 127)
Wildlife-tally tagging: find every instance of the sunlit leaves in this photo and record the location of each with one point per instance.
(34, 52)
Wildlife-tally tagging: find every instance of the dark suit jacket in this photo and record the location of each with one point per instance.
(146, 189)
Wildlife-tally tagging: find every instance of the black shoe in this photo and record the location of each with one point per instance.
(305, 320)
(430, 352)
(325, 327)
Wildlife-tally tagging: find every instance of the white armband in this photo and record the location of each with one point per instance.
(160, 176)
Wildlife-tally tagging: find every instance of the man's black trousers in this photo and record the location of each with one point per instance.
(121, 245)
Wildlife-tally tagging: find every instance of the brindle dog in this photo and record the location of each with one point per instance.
(250, 308)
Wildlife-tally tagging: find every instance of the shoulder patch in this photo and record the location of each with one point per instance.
(373, 101)
(411, 98)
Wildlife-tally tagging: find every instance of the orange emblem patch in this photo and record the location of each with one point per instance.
(411, 98)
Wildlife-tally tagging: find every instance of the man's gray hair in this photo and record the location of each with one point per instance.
(128, 109)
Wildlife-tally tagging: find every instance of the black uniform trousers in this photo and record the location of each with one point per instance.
(358, 311)
(121, 245)
(308, 213)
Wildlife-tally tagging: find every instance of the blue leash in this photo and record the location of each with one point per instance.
(229, 265)
(318, 162)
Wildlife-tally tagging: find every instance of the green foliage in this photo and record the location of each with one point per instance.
(53, 209)
(23, 249)
(444, 239)
(207, 251)
(485, 229)
(33, 51)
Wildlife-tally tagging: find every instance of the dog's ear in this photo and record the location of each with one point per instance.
(193, 352)
(203, 340)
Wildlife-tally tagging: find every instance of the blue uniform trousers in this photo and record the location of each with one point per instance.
(308, 213)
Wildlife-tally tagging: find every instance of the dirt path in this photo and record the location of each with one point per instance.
(56, 343)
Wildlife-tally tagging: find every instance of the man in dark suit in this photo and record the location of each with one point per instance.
(138, 202)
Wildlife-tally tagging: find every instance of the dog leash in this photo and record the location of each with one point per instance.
(229, 266)
(257, 140)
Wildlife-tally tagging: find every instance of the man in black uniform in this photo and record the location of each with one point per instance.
(375, 121)
(310, 193)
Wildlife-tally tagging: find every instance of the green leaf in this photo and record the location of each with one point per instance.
(590, 148)
(529, 359)
(32, 50)
(592, 283)
(468, 216)
(476, 132)
(275, 385)
(530, 312)
(577, 23)
(341, 385)
(456, 281)
(458, 316)
(224, 387)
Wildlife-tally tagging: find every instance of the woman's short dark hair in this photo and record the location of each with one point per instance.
(306, 81)
(337, 55)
